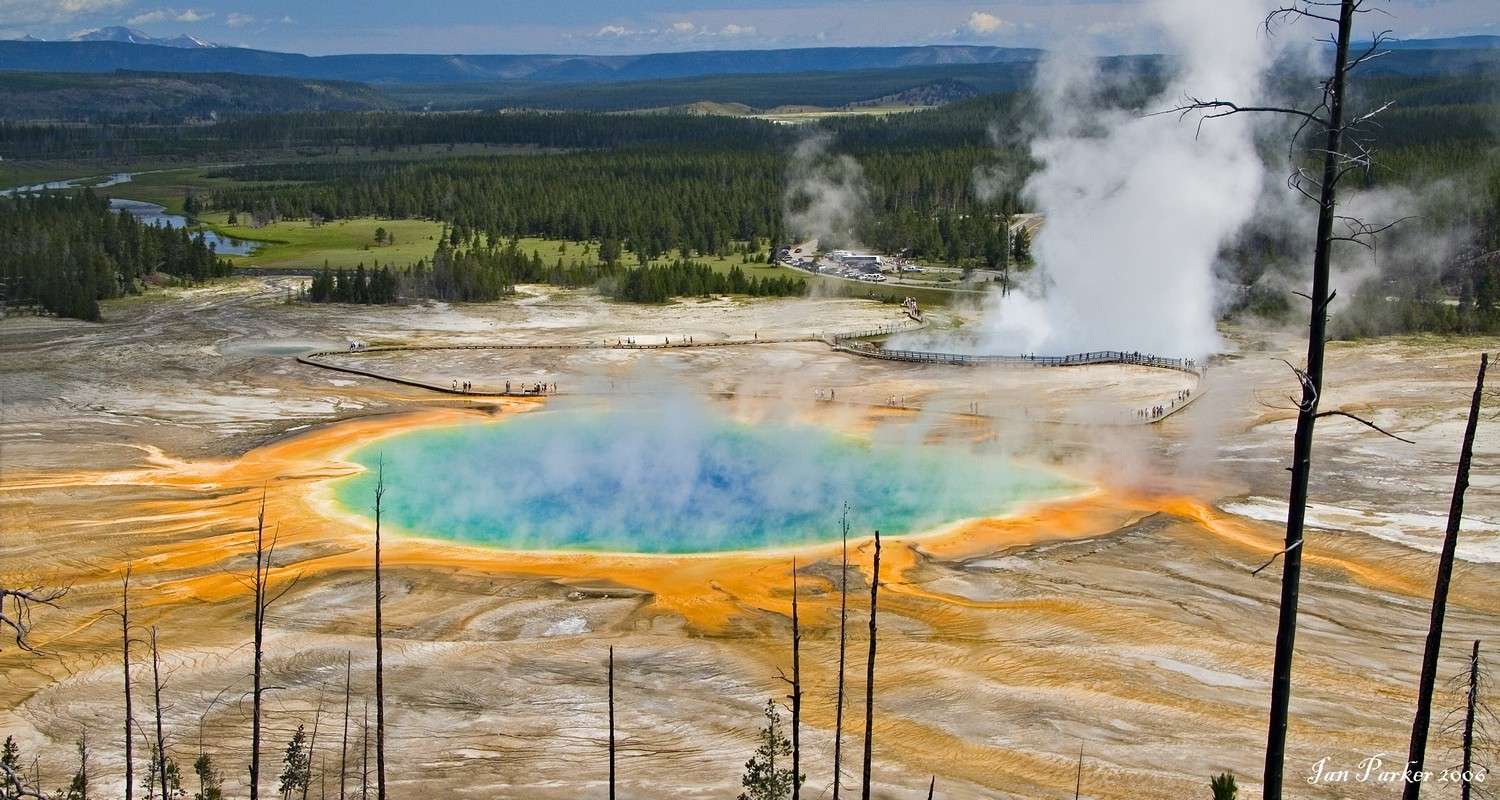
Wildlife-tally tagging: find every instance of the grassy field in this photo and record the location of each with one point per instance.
(347, 243)
(341, 243)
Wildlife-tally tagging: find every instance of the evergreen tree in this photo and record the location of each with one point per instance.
(10, 769)
(210, 785)
(763, 779)
(295, 766)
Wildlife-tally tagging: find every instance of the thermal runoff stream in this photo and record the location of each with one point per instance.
(683, 481)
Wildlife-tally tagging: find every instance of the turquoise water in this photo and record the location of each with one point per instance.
(672, 481)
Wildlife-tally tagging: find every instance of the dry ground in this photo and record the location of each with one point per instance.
(1125, 621)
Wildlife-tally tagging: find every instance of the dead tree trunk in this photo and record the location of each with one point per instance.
(1307, 417)
(870, 673)
(838, 714)
(1472, 703)
(1328, 121)
(379, 650)
(344, 747)
(364, 761)
(931, 787)
(1078, 777)
(161, 741)
(261, 567)
(312, 744)
(796, 692)
(611, 723)
(1417, 755)
(125, 661)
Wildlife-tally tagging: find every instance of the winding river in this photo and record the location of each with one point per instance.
(148, 213)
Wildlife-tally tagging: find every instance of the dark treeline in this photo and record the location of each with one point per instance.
(654, 201)
(657, 284)
(322, 131)
(66, 253)
(481, 273)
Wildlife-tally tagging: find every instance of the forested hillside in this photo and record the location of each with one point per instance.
(65, 254)
(149, 97)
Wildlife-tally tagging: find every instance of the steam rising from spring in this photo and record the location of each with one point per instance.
(825, 195)
(673, 477)
(1136, 207)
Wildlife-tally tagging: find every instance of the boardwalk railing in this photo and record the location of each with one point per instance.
(971, 360)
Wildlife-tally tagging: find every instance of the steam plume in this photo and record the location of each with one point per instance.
(1137, 207)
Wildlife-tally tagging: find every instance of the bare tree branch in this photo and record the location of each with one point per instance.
(18, 618)
(1362, 421)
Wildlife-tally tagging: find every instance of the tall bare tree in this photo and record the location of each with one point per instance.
(379, 647)
(344, 747)
(611, 723)
(161, 740)
(1471, 706)
(870, 672)
(796, 692)
(312, 743)
(265, 552)
(838, 713)
(125, 663)
(1417, 754)
(364, 763)
(1341, 153)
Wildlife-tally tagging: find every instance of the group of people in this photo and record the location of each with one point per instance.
(527, 388)
(826, 395)
(1159, 411)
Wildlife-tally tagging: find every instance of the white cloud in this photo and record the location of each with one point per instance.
(679, 31)
(148, 17)
(983, 23)
(166, 14)
(238, 20)
(51, 12)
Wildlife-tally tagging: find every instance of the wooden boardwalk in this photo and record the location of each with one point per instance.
(852, 343)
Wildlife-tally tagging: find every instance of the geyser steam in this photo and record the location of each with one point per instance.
(825, 195)
(672, 478)
(1136, 207)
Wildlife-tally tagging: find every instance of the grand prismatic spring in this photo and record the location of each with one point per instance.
(646, 482)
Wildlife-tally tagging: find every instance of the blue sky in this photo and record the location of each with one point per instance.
(635, 26)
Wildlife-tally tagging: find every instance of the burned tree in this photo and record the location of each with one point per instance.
(1341, 154)
(1417, 754)
(161, 741)
(312, 743)
(795, 698)
(260, 585)
(796, 691)
(838, 714)
(1475, 726)
(125, 662)
(611, 678)
(344, 747)
(379, 648)
(870, 672)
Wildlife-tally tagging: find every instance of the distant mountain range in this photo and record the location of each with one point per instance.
(132, 36)
(113, 49)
